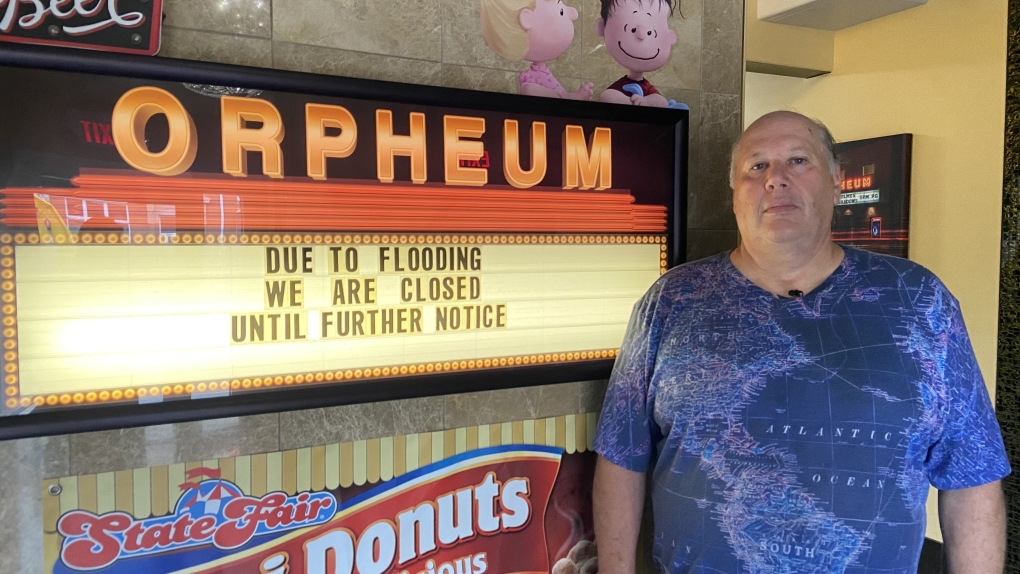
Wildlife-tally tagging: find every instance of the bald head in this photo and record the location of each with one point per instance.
(772, 119)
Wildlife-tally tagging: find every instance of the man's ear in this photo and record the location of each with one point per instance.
(600, 28)
(671, 36)
(838, 184)
(526, 18)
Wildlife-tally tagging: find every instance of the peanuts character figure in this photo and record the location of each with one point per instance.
(639, 38)
(536, 31)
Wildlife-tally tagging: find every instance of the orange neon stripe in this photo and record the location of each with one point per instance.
(413, 223)
(380, 195)
(267, 205)
(307, 186)
(323, 215)
(448, 226)
(546, 209)
(415, 226)
(523, 209)
(183, 201)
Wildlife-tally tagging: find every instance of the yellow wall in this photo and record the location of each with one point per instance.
(938, 72)
(780, 45)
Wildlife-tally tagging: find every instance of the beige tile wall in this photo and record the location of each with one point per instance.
(436, 42)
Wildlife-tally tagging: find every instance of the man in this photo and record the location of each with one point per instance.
(639, 38)
(795, 398)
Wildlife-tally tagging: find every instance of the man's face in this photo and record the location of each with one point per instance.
(783, 190)
(637, 34)
(550, 29)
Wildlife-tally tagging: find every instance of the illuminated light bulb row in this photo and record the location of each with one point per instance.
(182, 389)
(100, 238)
(9, 321)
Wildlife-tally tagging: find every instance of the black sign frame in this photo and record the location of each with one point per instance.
(100, 417)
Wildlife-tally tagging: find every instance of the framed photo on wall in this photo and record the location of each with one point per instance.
(874, 206)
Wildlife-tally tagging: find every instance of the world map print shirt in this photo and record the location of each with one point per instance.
(798, 435)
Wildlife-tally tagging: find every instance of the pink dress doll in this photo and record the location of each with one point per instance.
(536, 31)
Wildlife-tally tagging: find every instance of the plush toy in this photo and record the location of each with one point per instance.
(638, 37)
(536, 31)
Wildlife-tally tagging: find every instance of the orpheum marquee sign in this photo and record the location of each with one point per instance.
(164, 240)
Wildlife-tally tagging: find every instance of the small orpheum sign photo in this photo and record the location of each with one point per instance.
(161, 240)
(873, 211)
(128, 26)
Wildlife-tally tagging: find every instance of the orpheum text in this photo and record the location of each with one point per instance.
(331, 132)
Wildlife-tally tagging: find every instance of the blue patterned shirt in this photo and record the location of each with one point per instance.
(798, 435)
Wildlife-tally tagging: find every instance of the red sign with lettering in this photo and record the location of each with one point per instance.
(129, 26)
(514, 508)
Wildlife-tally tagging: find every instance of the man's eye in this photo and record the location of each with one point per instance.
(561, 11)
(757, 166)
(799, 160)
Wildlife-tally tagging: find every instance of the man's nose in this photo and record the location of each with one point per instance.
(776, 177)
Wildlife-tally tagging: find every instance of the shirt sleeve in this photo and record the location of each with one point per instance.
(969, 452)
(649, 88)
(626, 434)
